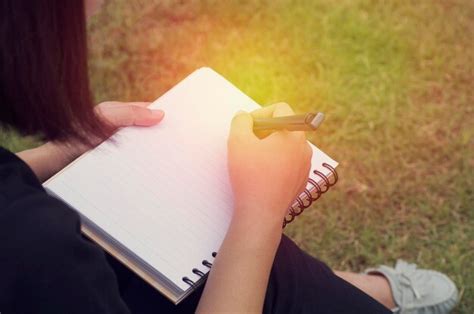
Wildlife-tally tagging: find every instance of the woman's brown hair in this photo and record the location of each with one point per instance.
(44, 84)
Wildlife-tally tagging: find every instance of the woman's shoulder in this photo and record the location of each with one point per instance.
(17, 180)
(23, 200)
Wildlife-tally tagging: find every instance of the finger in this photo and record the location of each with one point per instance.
(143, 104)
(302, 187)
(146, 117)
(303, 184)
(298, 136)
(242, 126)
(269, 112)
(263, 133)
(112, 104)
(134, 115)
(306, 168)
(309, 152)
(289, 137)
(264, 112)
(282, 109)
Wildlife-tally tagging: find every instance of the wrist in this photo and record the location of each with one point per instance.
(48, 159)
(65, 151)
(257, 228)
(260, 212)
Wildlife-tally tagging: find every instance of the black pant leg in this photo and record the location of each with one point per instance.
(298, 284)
(141, 298)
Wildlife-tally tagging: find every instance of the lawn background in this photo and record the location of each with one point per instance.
(395, 79)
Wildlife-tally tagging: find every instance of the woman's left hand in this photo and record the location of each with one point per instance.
(122, 114)
(51, 157)
(117, 114)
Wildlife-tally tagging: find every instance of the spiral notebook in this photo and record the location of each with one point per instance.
(159, 198)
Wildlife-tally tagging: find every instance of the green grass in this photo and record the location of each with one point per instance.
(394, 78)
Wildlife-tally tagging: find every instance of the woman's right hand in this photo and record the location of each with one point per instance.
(266, 173)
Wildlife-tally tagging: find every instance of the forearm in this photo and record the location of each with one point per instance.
(47, 159)
(239, 276)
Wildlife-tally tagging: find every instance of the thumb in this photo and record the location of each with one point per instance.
(137, 115)
(242, 126)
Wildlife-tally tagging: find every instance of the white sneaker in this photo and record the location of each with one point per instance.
(418, 291)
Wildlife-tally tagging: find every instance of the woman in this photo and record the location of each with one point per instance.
(47, 266)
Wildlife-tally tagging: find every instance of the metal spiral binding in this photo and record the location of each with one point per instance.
(198, 272)
(313, 194)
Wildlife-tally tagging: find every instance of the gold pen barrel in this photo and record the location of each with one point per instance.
(301, 122)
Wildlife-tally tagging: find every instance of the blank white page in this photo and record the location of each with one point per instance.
(163, 191)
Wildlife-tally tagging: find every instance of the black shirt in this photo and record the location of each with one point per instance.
(46, 265)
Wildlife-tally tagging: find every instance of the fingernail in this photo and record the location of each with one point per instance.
(157, 114)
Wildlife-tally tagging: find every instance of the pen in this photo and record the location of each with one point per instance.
(300, 122)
